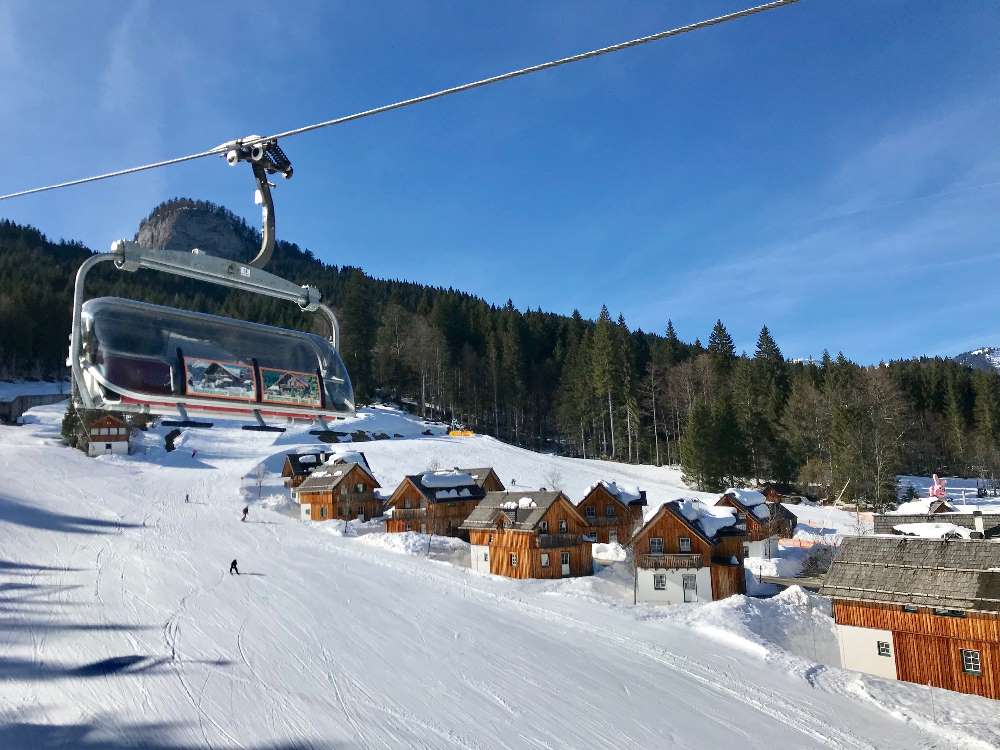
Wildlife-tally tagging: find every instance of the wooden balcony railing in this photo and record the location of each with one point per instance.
(404, 513)
(670, 562)
(596, 521)
(557, 540)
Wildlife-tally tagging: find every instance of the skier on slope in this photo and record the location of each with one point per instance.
(233, 568)
(245, 511)
(187, 498)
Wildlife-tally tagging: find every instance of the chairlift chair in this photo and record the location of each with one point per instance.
(140, 358)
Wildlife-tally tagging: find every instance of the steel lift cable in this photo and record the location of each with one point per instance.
(251, 141)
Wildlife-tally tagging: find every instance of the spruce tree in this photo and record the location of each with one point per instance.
(698, 447)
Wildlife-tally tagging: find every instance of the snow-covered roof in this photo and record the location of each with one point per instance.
(453, 493)
(330, 475)
(524, 509)
(750, 498)
(925, 505)
(446, 478)
(933, 530)
(625, 493)
(710, 519)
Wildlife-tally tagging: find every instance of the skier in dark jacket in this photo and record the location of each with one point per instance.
(245, 511)
(233, 568)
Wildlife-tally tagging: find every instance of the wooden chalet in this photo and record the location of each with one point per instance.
(437, 502)
(486, 478)
(688, 552)
(613, 514)
(763, 522)
(107, 435)
(529, 534)
(339, 489)
(920, 610)
(298, 466)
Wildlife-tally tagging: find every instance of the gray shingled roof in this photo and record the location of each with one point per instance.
(479, 474)
(298, 468)
(954, 574)
(485, 515)
(326, 477)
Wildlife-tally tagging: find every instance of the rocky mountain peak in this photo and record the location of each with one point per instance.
(183, 224)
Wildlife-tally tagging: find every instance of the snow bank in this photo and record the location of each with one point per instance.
(609, 552)
(447, 478)
(932, 530)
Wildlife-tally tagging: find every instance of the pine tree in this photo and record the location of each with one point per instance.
(730, 450)
(698, 447)
(673, 350)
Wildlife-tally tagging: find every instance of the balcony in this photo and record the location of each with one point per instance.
(403, 514)
(546, 541)
(669, 562)
(598, 521)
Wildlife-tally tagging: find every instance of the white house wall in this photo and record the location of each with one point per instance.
(480, 557)
(306, 512)
(97, 448)
(859, 650)
(674, 592)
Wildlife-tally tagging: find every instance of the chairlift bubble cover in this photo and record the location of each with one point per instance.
(162, 357)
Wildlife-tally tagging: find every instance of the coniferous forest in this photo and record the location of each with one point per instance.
(569, 384)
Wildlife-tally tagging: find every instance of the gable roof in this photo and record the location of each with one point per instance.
(305, 463)
(624, 495)
(447, 485)
(523, 510)
(329, 475)
(952, 574)
(698, 517)
(480, 475)
(925, 505)
(107, 420)
(750, 502)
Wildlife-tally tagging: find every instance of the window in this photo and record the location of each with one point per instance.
(308, 509)
(562, 526)
(544, 527)
(322, 512)
(941, 612)
(884, 649)
(490, 539)
(609, 511)
(513, 560)
(564, 558)
(545, 559)
(406, 505)
(409, 527)
(911, 608)
(659, 581)
(359, 488)
(971, 663)
(684, 544)
(590, 511)
(656, 545)
(107, 446)
(343, 492)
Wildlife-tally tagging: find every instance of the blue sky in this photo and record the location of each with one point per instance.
(831, 168)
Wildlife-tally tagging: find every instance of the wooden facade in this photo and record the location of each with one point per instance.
(777, 523)
(683, 540)
(352, 496)
(486, 478)
(928, 646)
(554, 548)
(608, 518)
(413, 511)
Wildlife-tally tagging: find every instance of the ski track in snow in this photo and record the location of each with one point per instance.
(325, 641)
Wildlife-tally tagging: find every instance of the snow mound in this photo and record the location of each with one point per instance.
(455, 492)
(446, 478)
(609, 552)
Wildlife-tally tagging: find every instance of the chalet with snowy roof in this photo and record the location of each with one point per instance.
(943, 528)
(689, 552)
(107, 435)
(764, 523)
(613, 513)
(921, 610)
(437, 502)
(340, 488)
(486, 478)
(529, 534)
(298, 466)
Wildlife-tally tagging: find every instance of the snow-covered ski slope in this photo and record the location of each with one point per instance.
(120, 626)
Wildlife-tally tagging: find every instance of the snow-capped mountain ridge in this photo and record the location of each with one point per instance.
(983, 358)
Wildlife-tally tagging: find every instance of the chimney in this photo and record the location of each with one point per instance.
(977, 523)
(642, 495)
